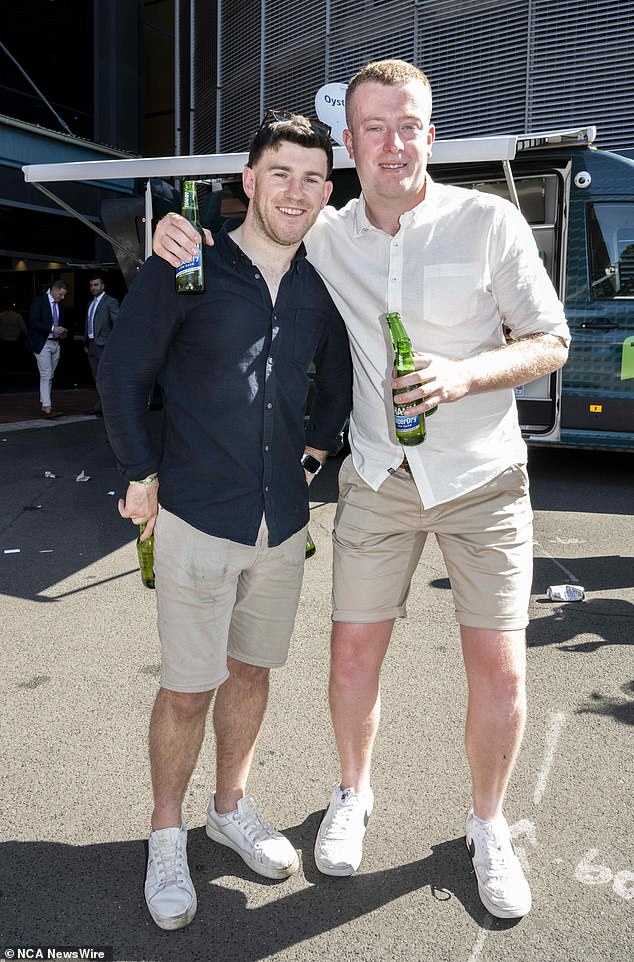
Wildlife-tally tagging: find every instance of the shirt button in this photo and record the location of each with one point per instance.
(269, 405)
(266, 447)
(266, 487)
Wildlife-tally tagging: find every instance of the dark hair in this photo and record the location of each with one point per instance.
(97, 276)
(59, 285)
(281, 126)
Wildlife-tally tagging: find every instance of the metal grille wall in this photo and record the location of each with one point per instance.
(496, 66)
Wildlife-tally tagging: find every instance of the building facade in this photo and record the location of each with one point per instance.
(496, 66)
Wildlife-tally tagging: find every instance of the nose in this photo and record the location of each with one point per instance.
(393, 140)
(295, 187)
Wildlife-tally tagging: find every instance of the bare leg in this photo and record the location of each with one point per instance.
(238, 713)
(495, 662)
(357, 653)
(177, 729)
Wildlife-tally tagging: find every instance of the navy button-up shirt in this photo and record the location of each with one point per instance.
(232, 367)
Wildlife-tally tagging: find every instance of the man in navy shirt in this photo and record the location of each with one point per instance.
(231, 476)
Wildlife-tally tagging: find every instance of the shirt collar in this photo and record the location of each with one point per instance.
(230, 249)
(362, 223)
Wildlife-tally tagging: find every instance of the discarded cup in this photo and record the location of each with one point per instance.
(566, 593)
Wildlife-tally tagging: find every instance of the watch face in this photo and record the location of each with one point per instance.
(311, 464)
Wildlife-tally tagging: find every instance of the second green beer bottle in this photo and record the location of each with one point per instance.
(145, 552)
(190, 277)
(410, 428)
(310, 545)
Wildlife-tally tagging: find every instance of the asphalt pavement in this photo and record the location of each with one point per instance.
(80, 672)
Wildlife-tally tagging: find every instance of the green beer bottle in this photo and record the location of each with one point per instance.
(145, 552)
(410, 428)
(310, 545)
(190, 277)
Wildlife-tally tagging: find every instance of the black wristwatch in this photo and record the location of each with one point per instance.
(311, 464)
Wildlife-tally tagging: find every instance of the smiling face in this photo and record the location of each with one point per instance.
(287, 188)
(390, 139)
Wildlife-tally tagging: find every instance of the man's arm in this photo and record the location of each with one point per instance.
(176, 241)
(333, 387)
(134, 354)
(444, 380)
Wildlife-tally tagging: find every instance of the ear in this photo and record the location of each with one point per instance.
(248, 181)
(431, 133)
(327, 192)
(347, 142)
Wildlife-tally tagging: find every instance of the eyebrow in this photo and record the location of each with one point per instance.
(307, 173)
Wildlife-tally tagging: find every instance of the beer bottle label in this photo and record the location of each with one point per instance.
(190, 267)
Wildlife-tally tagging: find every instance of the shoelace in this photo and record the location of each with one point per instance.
(348, 805)
(255, 827)
(169, 865)
(498, 863)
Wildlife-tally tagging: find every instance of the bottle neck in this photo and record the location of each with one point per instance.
(397, 330)
(190, 201)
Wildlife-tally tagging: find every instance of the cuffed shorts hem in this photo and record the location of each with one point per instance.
(193, 689)
(365, 618)
(258, 662)
(490, 624)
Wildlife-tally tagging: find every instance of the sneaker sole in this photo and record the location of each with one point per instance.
(268, 871)
(178, 921)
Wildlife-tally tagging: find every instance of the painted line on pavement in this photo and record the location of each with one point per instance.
(553, 733)
(569, 575)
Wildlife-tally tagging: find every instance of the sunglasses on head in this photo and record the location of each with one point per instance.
(272, 116)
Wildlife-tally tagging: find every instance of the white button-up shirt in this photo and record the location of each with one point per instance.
(462, 264)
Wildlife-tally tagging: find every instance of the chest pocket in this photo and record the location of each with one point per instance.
(450, 292)
(308, 326)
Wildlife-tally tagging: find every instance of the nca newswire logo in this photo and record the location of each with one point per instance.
(101, 953)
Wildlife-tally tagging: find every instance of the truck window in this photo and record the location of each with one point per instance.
(611, 242)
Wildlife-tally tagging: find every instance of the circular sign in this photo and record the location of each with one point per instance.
(330, 104)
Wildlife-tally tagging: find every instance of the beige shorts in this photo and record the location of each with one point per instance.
(217, 598)
(486, 538)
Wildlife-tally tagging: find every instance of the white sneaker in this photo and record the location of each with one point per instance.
(502, 887)
(264, 849)
(169, 892)
(339, 842)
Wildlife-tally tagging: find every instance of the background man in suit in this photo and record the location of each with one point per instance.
(102, 313)
(45, 330)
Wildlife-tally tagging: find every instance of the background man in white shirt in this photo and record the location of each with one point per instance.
(457, 264)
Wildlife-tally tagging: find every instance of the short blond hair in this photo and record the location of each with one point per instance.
(390, 73)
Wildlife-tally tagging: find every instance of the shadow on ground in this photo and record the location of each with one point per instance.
(93, 895)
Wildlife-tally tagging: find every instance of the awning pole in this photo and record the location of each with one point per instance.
(508, 173)
(148, 219)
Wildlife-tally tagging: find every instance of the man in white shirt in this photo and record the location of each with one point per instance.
(457, 265)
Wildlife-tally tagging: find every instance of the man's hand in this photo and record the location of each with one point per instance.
(320, 455)
(176, 241)
(437, 380)
(141, 505)
(60, 331)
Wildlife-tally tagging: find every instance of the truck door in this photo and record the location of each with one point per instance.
(543, 191)
(544, 201)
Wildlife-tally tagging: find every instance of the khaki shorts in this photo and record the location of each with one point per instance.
(217, 598)
(486, 538)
